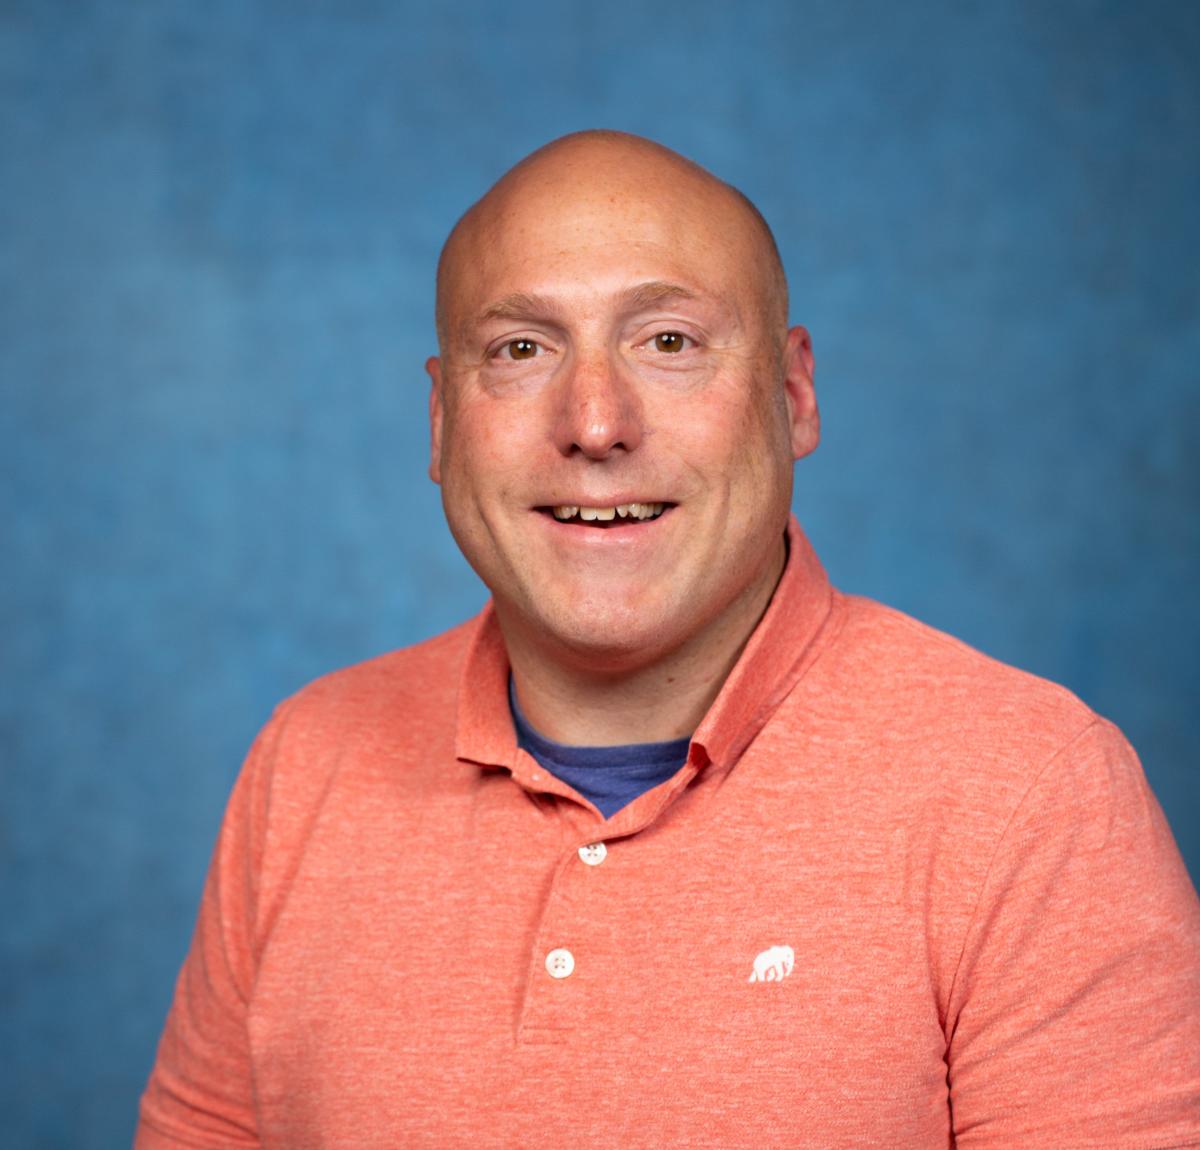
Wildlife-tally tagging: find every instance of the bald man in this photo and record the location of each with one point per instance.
(673, 844)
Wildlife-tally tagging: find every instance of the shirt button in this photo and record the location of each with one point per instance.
(593, 854)
(560, 962)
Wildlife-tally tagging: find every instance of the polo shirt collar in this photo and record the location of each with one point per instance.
(779, 651)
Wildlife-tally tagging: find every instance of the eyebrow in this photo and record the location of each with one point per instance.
(526, 305)
(519, 305)
(652, 293)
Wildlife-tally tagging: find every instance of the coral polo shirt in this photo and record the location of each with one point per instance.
(899, 895)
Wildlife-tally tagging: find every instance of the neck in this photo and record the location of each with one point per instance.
(567, 701)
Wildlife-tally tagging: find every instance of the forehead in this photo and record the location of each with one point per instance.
(594, 237)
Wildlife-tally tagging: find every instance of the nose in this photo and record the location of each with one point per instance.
(599, 409)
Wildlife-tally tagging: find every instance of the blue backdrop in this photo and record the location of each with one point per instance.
(220, 226)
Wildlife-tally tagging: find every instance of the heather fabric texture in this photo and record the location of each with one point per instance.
(995, 941)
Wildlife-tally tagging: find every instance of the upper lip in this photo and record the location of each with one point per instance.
(607, 501)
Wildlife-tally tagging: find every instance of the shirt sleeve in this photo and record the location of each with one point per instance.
(1075, 1012)
(200, 1092)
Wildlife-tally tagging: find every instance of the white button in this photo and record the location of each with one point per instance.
(593, 854)
(560, 963)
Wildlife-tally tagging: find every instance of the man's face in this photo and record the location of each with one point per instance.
(609, 351)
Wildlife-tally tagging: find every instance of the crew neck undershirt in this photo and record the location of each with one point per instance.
(609, 777)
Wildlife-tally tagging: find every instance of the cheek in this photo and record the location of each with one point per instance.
(480, 442)
(744, 442)
(491, 456)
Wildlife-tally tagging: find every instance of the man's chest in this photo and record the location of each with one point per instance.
(704, 982)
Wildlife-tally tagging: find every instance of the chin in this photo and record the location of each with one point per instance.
(613, 639)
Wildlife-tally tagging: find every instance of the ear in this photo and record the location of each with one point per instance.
(803, 417)
(436, 417)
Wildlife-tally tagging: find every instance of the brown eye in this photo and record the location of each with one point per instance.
(669, 341)
(522, 349)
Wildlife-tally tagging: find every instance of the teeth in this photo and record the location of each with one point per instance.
(605, 514)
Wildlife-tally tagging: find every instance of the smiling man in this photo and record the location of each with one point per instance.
(674, 844)
(615, 414)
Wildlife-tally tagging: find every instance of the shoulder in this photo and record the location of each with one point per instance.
(418, 677)
(954, 720)
(382, 726)
(369, 715)
(965, 760)
(908, 663)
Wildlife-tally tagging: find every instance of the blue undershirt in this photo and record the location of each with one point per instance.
(609, 777)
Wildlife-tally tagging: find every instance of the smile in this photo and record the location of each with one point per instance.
(601, 516)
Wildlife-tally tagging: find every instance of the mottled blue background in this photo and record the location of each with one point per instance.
(220, 224)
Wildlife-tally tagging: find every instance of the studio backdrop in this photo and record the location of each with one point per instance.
(220, 229)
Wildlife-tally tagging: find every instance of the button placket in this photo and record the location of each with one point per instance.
(552, 1002)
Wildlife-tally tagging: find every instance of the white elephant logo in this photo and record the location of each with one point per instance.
(774, 964)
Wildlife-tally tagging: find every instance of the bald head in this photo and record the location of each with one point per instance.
(575, 174)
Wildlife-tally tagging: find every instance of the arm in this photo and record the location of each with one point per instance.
(200, 1091)
(1075, 1013)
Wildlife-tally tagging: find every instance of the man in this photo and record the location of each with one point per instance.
(674, 844)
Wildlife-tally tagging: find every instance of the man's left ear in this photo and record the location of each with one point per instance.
(436, 415)
(803, 417)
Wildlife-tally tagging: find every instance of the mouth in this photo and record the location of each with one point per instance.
(617, 515)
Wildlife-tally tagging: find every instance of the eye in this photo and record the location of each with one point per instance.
(670, 342)
(519, 349)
